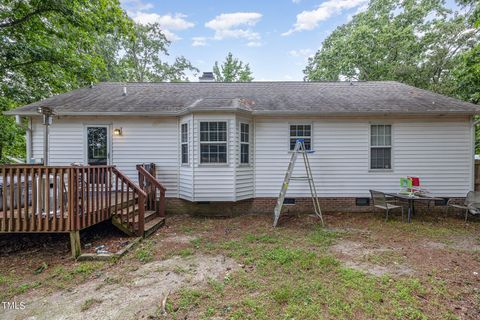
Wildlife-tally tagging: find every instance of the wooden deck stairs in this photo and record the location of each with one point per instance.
(126, 218)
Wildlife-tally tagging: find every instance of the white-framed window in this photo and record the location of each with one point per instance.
(244, 143)
(380, 146)
(213, 142)
(301, 131)
(184, 142)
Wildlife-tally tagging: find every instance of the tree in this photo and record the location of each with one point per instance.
(412, 41)
(467, 72)
(232, 70)
(48, 47)
(143, 57)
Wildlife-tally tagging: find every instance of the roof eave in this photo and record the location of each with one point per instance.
(362, 113)
(153, 113)
(241, 110)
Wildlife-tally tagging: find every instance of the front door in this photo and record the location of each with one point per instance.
(98, 145)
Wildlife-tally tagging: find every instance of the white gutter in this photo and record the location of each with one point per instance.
(121, 113)
(256, 113)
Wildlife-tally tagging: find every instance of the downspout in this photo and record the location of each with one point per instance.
(179, 155)
(28, 141)
(474, 147)
(193, 156)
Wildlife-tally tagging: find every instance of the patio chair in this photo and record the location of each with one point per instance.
(380, 201)
(470, 205)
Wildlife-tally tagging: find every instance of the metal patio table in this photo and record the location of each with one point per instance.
(411, 201)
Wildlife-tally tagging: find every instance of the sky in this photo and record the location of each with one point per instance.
(275, 37)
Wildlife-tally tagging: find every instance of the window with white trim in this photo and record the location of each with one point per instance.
(244, 143)
(184, 142)
(213, 142)
(380, 146)
(301, 131)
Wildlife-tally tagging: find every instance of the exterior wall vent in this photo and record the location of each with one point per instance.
(362, 202)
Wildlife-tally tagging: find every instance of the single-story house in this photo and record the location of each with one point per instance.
(231, 142)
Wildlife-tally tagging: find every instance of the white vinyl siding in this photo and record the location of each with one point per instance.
(139, 143)
(439, 152)
(244, 171)
(65, 142)
(37, 139)
(214, 182)
(185, 179)
(145, 141)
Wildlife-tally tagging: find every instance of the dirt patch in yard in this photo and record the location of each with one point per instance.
(468, 244)
(135, 295)
(242, 268)
(377, 260)
(176, 238)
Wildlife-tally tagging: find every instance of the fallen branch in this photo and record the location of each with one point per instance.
(164, 303)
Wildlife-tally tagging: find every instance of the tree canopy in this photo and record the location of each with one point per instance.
(48, 47)
(232, 70)
(52, 46)
(418, 42)
(143, 57)
(467, 72)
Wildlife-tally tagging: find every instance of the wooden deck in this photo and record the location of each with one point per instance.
(17, 221)
(46, 199)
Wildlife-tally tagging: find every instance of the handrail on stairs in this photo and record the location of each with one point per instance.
(155, 191)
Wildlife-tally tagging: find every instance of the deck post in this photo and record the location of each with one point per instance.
(75, 243)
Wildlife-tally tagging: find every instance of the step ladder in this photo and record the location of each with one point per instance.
(299, 148)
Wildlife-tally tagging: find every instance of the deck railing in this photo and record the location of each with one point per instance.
(91, 195)
(67, 198)
(153, 188)
(35, 199)
(126, 196)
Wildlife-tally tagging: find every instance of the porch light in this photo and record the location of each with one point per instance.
(47, 114)
(117, 131)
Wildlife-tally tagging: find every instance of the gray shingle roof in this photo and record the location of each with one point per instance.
(370, 97)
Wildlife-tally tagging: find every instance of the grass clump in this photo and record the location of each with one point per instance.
(186, 252)
(322, 237)
(87, 304)
(145, 252)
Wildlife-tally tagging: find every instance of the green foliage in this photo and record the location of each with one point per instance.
(145, 252)
(49, 47)
(142, 60)
(418, 42)
(322, 237)
(232, 70)
(468, 70)
(11, 139)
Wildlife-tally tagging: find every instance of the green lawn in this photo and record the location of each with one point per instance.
(349, 270)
